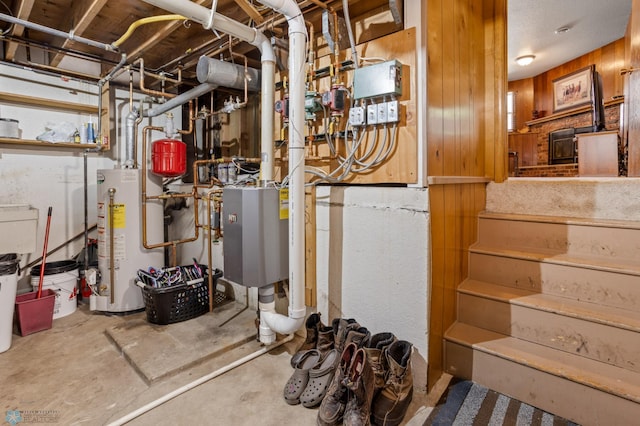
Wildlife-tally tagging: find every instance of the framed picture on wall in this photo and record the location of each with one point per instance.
(573, 90)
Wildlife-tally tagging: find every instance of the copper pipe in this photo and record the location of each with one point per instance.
(149, 91)
(192, 118)
(145, 198)
(209, 250)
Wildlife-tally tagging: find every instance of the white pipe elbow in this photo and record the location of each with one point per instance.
(264, 46)
(291, 10)
(280, 323)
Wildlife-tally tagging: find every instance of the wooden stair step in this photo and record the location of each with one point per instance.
(615, 317)
(616, 289)
(601, 333)
(549, 256)
(604, 377)
(611, 240)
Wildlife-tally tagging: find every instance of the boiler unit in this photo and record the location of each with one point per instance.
(256, 250)
(120, 249)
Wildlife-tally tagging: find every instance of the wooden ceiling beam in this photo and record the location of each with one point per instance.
(81, 17)
(23, 12)
(160, 35)
(251, 11)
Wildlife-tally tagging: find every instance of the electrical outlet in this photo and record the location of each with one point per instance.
(393, 112)
(372, 114)
(382, 113)
(357, 116)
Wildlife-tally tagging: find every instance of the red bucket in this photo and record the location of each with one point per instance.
(169, 157)
(35, 314)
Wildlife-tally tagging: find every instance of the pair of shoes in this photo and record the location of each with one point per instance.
(319, 336)
(333, 405)
(312, 374)
(390, 404)
(349, 396)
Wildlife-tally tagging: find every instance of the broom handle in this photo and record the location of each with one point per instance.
(44, 253)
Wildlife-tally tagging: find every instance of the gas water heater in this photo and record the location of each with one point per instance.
(120, 249)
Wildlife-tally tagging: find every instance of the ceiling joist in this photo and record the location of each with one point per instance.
(81, 17)
(23, 12)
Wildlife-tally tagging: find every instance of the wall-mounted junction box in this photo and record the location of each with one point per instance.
(381, 79)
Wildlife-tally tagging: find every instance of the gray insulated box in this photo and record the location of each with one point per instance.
(255, 241)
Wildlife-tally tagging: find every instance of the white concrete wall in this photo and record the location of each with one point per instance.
(44, 177)
(373, 261)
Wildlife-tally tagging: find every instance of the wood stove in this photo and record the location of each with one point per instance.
(562, 144)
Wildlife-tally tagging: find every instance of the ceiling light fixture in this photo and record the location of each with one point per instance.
(525, 60)
(563, 30)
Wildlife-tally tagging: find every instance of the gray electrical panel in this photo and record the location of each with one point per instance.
(255, 241)
(381, 79)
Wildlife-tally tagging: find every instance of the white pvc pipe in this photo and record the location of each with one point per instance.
(267, 149)
(156, 403)
(297, 51)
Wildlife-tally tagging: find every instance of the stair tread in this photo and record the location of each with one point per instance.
(598, 375)
(552, 256)
(613, 316)
(609, 223)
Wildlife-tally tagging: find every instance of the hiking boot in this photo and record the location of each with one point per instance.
(325, 339)
(332, 405)
(359, 336)
(360, 382)
(374, 349)
(311, 324)
(391, 403)
(341, 328)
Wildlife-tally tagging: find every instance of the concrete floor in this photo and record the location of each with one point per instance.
(95, 369)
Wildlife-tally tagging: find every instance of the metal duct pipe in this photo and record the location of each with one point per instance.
(203, 16)
(297, 49)
(70, 35)
(179, 100)
(226, 74)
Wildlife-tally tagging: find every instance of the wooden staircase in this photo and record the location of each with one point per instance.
(550, 315)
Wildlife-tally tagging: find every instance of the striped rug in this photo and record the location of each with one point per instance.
(468, 403)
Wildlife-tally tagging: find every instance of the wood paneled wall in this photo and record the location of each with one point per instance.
(632, 112)
(466, 142)
(536, 93)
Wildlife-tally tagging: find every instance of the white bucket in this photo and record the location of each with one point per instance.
(61, 277)
(8, 286)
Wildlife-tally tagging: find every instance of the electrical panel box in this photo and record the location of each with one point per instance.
(382, 79)
(255, 242)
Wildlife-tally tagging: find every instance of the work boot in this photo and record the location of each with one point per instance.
(359, 336)
(341, 328)
(325, 339)
(374, 349)
(332, 405)
(360, 382)
(311, 324)
(391, 403)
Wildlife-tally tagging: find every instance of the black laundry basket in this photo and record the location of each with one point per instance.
(178, 302)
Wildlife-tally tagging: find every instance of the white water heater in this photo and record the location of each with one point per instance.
(120, 223)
